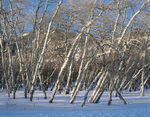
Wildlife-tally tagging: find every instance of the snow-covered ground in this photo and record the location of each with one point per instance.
(137, 106)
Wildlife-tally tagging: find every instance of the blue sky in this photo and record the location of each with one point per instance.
(35, 2)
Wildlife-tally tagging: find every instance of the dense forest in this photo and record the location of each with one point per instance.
(74, 45)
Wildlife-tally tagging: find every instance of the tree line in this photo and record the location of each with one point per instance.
(75, 45)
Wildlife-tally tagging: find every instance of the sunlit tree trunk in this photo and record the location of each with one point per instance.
(43, 50)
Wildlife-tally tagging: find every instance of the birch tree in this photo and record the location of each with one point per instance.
(43, 51)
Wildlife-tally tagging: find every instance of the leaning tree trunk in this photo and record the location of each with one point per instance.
(82, 77)
(43, 51)
(90, 88)
(101, 87)
(97, 87)
(81, 66)
(112, 88)
(41, 84)
(119, 95)
(70, 54)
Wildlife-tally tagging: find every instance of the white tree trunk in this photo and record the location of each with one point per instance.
(43, 51)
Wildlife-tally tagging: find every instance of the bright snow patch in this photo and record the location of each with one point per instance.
(137, 106)
(25, 34)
